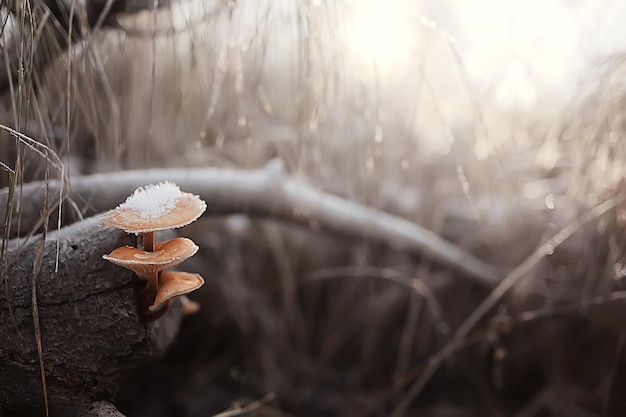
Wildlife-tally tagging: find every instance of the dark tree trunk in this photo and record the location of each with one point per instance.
(91, 330)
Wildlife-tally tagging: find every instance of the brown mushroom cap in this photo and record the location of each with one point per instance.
(175, 283)
(155, 207)
(166, 254)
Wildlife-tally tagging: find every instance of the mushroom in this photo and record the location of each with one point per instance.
(165, 255)
(149, 209)
(147, 265)
(175, 283)
(189, 306)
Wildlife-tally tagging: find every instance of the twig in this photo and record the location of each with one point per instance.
(544, 312)
(266, 192)
(236, 411)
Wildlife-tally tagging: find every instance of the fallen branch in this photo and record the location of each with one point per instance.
(91, 330)
(266, 192)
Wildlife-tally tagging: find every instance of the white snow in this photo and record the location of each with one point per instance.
(153, 200)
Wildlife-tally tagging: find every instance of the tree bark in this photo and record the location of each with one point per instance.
(91, 331)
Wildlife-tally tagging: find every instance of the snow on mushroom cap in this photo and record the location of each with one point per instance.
(153, 200)
(155, 207)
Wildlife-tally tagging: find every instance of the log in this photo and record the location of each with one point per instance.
(91, 331)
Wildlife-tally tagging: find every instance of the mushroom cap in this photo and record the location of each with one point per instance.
(175, 283)
(155, 207)
(166, 254)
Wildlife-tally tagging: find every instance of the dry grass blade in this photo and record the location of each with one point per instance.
(39, 148)
(6, 168)
(35, 307)
(568, 308)
(288, 281)
(5, 247)
(412, 283)
(36, 269)
(237, 411)
(44, 151)
(507, 283)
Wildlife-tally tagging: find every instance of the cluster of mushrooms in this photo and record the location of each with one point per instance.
(149, 209)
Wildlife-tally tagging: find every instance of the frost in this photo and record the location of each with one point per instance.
(153, 201)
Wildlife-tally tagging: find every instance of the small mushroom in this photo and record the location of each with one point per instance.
(175, 283)
(165, 255)
(189, 306)
(151, 208)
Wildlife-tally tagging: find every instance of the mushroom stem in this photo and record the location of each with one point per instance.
(153, 277)
(148, 289)
(148, 241)
(152, 288)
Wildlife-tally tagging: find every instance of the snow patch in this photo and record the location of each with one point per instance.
(153, 200)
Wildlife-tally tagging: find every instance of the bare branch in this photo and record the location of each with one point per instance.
(237, 410)
(266, 192)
